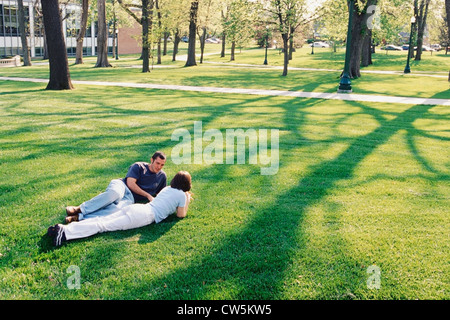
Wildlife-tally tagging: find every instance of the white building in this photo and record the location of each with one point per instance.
(10, 43)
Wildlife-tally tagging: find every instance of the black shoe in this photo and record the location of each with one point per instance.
(57, 233)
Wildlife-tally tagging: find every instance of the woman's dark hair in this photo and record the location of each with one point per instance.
(182, 181)
(159, 154)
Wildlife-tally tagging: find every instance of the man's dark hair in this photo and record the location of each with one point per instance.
(159, 154)
(182, 181)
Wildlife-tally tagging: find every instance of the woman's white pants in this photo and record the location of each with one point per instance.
(133, 216)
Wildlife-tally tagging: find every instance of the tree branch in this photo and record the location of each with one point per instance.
(126, 7)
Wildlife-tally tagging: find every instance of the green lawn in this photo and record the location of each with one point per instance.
(210, 73)
(325, 58)
(359, 185)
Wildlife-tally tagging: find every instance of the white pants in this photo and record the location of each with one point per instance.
(133, 216)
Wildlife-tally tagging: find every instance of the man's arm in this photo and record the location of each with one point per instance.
(132, 185)
(182, 211)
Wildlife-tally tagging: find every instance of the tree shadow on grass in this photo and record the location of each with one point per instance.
(250, 263)
(254, 259)
(4, 93)
(97, 145)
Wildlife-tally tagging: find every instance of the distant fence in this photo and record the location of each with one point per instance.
(11, 62)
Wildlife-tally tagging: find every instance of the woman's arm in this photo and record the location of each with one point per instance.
(182, 211)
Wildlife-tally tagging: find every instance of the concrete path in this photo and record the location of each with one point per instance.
(443, 75)
(298, 94)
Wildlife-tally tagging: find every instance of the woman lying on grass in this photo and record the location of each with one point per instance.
(173, 198)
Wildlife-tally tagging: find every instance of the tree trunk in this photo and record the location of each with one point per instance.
(420, 33)
(366, 54)
(82, 32)
(158, 15)
(176, 42)
(359, 31)
(45, 55)
(224, 33)
(145, 36)
(291, 42)
(222, 52)
(23, 35)
(166, 38)
(356, 46)
(114, 35)
(285, 37)
(59, 66)
(233, 49)
(102, 36)
(421, 23)
(202, 44)
(159, 52)
(192, 34)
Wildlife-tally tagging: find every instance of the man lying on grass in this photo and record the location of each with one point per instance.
(173, 198)
(141, 184)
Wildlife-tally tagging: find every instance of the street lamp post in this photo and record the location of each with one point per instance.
(407, 68)
(117, 44)
(312, 45)
(345, 83)
(267, 44)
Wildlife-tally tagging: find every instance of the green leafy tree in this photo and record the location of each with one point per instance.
(239, 23)
(174, 13)
(333, 21)
(287, 16)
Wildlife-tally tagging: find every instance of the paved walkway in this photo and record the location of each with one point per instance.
(443, 75)
(298, 94)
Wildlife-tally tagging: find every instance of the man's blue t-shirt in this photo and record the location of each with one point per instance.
(148, 181)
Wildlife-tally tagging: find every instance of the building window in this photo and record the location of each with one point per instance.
(2, 24)
(9, 21)
(39, 51)
(87, 51)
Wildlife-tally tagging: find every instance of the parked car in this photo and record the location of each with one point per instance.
(391, 47)
(436, 47)
(320, 44)
(427, 48)
(185, 39)
(405, 47)
(212, 40)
